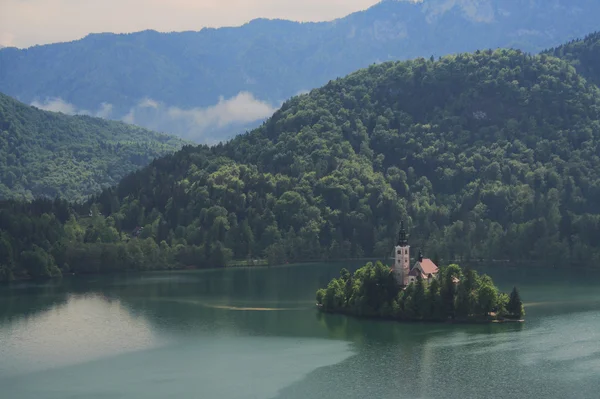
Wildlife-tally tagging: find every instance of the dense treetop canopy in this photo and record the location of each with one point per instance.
(583, 54)
(51, 154)
(489, 155)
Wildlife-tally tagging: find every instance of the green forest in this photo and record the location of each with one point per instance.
(583, 54)
(455, 294)
(48, 154)
(488, 155)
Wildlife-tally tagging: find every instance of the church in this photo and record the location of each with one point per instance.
(404, 273)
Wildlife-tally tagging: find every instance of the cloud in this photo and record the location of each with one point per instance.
(25, 23)
(204, 125)
(130, 117)
(148, 103)
(242, 108)
(55, 105)
(105, 110)
(207, 125)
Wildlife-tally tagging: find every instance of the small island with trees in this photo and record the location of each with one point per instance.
(423, 292)
(454, 295)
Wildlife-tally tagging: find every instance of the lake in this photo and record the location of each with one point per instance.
(255, 333)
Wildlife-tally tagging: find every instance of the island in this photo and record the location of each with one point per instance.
(421, 293)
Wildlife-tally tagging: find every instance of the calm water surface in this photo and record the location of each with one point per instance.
(254, 333)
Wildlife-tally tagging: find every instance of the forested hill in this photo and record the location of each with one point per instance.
(165, 81)
(491, 155)
(51, 154)
(486, 155)
(583, 54)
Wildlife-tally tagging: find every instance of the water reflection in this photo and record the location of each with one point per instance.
(538, 359)
(22, 300)
(182, 332)
(74, 329)
(390, 332)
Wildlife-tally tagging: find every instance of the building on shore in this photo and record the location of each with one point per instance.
(403, 272)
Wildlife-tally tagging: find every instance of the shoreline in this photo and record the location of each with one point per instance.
(235, 265)
(503, 264)
(427, 321)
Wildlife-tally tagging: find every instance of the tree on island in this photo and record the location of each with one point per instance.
(466, 299)
(488, 298)
(454, 295)
(450, 275)
(419, 304)
(515, 306)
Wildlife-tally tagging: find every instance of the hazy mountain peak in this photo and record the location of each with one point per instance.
(474, 10)
(260, 64)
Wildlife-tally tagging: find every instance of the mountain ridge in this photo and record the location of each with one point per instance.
(351, 172)
(51, 154)
(270, 60)
(583, 54)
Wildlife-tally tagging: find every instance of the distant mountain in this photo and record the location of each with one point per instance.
(50, 154)
(214, 83)
(583, 54)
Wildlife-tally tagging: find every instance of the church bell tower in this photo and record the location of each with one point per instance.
(402, 258)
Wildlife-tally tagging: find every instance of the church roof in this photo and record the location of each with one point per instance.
(428, 266)
(415, 272)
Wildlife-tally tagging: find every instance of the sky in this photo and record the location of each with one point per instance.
(24, 23)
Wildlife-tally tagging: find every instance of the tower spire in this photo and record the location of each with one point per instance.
(402, 258)
(402, 240)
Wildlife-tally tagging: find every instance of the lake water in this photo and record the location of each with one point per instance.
(255, 333)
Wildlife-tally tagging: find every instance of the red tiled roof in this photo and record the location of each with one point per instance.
(416, 273)
(428, 267)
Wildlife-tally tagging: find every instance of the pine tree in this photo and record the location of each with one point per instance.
(419, 299)
(434, 305)
(463, 304)
(436, 260)
(515, 306)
